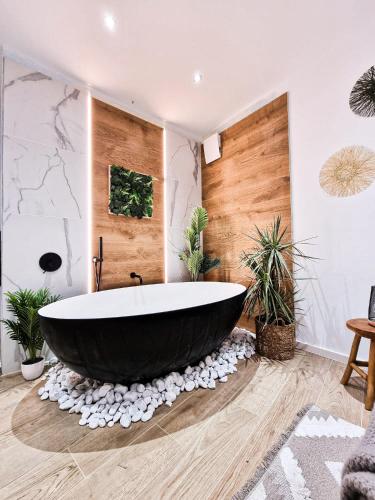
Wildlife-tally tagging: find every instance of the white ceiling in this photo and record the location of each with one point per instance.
(244, 48)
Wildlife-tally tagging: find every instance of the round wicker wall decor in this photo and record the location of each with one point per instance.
(348, 171)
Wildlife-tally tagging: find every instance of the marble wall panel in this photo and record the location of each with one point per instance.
(183, 194)
(45, 187)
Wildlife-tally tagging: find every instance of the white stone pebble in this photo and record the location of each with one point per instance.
(118, 397)
(104, 404)
(160, 385)
(116, 417)
(136, 417)
(125, 420)
(54, 395)
(189, 386)
(104, 389)
(170, 396)
(147, 416)
(202, 383)
(154, 403)
(62, 398)
(131, 396)
(66, 405)
(141, 404)
(121, 389)
(93, 424)
(113, 409)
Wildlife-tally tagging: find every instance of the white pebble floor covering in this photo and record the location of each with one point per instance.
(103, 404)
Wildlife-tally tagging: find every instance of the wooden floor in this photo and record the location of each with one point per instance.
(204, 447)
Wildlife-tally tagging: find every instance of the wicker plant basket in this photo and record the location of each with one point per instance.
(275, 341)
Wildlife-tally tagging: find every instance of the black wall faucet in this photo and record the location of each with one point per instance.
(134, 275)
(98, 261)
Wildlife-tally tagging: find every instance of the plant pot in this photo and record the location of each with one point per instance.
(275, 341)
(32, 370)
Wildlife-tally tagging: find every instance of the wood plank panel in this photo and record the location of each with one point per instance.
(248, 185)
(345, 401)
(51, 480)
(130, 244)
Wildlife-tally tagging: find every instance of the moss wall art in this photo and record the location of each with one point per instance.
(130, 193)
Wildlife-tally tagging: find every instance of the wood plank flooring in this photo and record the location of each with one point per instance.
(204, 447)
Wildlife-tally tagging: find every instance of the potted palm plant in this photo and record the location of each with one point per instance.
(196, 261)
(24, 326)
(272, 289)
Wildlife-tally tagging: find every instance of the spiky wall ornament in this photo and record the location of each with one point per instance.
(362, 97)
(348, 171)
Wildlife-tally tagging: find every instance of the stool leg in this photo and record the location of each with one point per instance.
(352, 359)
(369, 403)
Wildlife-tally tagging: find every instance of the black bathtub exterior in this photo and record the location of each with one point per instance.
(132, 348)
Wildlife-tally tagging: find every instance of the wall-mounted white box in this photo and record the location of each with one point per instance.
(211, 148)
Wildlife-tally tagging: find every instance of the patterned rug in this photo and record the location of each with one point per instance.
(308, 460)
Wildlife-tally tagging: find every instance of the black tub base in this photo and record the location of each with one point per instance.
(137, 347)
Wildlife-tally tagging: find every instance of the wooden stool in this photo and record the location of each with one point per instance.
(361, 328)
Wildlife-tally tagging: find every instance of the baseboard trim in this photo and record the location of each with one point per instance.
(304, 346)
(321, 351)
(10, 374)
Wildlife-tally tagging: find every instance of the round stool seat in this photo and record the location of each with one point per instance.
(361, 326)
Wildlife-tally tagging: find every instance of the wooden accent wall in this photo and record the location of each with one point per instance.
(248, 185)
(130, 244)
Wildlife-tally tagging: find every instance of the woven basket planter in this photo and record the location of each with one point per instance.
(275, 341)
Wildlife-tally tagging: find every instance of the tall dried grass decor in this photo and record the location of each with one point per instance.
(348, 171)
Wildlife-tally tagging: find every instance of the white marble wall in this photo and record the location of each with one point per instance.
(44, 187)
(183, 193)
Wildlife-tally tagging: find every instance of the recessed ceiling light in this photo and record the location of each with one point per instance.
(197, 77)
(109, 22)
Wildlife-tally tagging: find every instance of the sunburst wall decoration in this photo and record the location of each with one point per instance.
(348, 171)
(362, 97)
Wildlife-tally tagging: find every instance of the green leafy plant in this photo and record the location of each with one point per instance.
(195, 260)
(24, 327)
(272, 290)
(130, 193)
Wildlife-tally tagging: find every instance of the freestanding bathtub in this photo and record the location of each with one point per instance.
(141, 332)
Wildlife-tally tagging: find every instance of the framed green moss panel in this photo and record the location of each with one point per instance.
(130, 193)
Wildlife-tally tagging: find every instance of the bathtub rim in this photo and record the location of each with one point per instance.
(142, 314)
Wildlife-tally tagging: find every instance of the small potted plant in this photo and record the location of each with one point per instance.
(272, 289)
(196, 261)
(24, 327)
